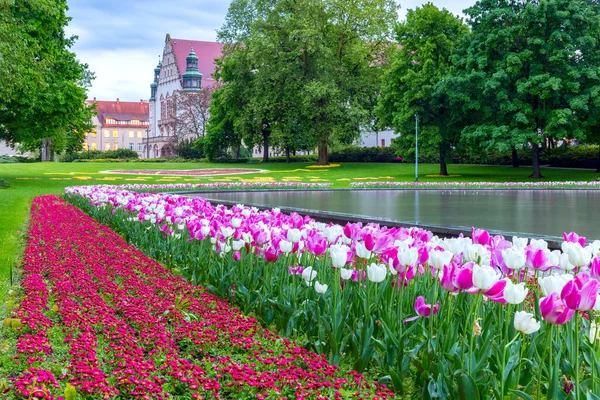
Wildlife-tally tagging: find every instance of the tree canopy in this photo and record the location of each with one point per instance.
(303, 70)
(528, 75)
(42, 85)
(426, 42)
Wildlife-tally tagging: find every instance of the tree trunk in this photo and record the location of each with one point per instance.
(287, 155)
(443, 166)
(515, 157)
(535, 158)
(323, 156)
(265, 146)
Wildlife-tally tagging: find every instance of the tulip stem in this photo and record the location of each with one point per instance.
(576, 366)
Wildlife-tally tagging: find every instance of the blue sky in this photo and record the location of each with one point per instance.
(121, 39)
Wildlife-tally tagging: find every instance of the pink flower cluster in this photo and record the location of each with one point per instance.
(133, 329)
(225, 186)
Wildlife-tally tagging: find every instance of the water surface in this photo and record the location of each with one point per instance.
(541, 212)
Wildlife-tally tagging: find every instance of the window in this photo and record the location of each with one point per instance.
(140, 134)
(115, 146)
(382, 142)
(106, 133)
(139, 147)
(93, 146)
(94, 133)
(116, 134)
(85, 146)
(130, 134)
(106, 146)
(130, 146)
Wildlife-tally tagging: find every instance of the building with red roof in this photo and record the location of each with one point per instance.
(118, 125)
(186, 67)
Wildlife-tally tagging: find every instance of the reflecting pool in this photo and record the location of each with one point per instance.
(538, 212)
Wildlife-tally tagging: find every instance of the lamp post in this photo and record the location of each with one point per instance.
(416, 148)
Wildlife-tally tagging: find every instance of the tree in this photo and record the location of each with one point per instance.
(426, 42)
(311, 64)
(42, 85)
(526, 73)
(192, 112)
(220, 131)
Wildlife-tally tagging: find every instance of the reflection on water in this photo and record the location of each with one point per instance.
(544, 212)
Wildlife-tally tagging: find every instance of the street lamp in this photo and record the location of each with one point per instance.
(416, 148)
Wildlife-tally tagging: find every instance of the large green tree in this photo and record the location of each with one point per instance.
(42, 85)
(527, 73)
(313, 63)
(426, 39)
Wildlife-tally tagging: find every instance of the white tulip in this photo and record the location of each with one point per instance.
(346, 273)
(476, 253)
(408, 257)
(524, 322)
(362, 251)
(376, 272)
(285, 246)
(594, 333)
(236, 222)
(519, 243)
(455, 245)
(514, 258)
(597, 303)
(578, 256)
(339, 255)
(515, 294)
(294, 235)
(391, 267)
(205, 230)
(595, 247)
(237, 244)
(333, 232)
(227, 231)
(539, 244)
(564, 262)
(309, 274)
(320, 288)
(553, 258)
(484, 276)
(554, 283)
(438, 259)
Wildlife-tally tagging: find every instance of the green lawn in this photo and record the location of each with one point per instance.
(30, 180)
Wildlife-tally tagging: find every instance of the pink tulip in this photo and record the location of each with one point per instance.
(581, 292)
(480, 236)
(271, 255)
(554, 310)
(536, 259)
(496, 292)
(316, 243)
(595, 268)
(423, 310)
(447, 279)
(574, 238)
(463, 278)
(237, 255)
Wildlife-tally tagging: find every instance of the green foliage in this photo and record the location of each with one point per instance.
(7, 160)
(365, 154)
(42, 85)
(119, 154)
(190, 149)
(301, 73)
(4, 184)
(528, 73)
(427, 38)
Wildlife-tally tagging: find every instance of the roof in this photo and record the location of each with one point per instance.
(206, 52)
(122, 111)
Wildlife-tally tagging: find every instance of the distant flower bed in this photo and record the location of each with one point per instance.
(188, 172)
(224, 186)
(100, 320)
(480, 317)
(478, 185)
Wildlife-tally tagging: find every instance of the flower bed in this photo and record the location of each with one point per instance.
(225, 186)
(186, 172)
(478, 317)
(98, 319)
(477, 185)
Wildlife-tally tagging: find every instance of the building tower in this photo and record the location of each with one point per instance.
(192, 78)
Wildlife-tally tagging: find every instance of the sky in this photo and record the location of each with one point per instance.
(121, 40)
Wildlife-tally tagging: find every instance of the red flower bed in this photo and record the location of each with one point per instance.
(103, 317)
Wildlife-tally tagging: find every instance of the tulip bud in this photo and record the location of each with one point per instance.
(346, 273)
(515, 294)
(513, 258)
(484, 276)
(320, 288)
(309, 274)
(376, 272)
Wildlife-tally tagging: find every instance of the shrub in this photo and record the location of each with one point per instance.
(4, 184)
(189, 149)
(302, 158)
(365, 154)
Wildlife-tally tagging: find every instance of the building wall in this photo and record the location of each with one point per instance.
(115, 137)
(379, 139)
(6, 150)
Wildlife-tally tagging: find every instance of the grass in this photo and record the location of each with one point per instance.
(30, 180)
